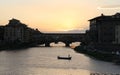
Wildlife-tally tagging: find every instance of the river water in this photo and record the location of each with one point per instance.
(43, 61)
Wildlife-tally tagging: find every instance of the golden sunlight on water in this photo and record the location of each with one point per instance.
(72, 45)
(58, 44)
(43, 61)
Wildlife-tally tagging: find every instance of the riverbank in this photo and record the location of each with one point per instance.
(17, 46)
(97, 54)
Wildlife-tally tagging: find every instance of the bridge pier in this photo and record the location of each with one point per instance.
(67, 45)
(47, 44)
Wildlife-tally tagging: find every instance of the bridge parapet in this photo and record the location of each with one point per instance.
(67, 38)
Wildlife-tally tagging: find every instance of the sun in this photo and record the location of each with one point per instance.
(68, 24)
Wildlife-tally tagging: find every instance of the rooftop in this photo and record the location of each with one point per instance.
(106, 17)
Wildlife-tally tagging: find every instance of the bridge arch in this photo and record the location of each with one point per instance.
(67, 38)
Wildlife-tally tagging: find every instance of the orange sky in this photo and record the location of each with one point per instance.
(54, 15)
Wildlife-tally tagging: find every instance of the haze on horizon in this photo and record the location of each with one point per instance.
(56, 15)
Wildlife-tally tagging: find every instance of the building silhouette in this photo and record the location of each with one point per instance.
(1, 34)
(105, 29)
(17, 32)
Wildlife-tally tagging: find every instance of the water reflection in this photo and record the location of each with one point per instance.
(59, 44)
(61, 72)
(43, 61)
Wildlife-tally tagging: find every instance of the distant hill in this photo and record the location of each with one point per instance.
(69, 31)
(75, 31)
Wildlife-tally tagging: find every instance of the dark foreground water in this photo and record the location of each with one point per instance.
(43, 61)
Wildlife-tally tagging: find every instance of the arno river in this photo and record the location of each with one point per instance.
(43, 61)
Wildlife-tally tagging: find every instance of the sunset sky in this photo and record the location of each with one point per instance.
(56, 15)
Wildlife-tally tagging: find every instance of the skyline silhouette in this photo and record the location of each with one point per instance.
(55, 15)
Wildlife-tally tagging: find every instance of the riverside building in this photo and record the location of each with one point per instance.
(105, 29)
(15, 31)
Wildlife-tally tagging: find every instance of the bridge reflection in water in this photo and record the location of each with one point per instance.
(66, 38)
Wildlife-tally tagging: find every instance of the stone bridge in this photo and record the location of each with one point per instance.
(66, 38)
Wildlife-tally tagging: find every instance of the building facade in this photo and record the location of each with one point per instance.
(2, 34)
(117, 34)
(15, 31)
(103, 28)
